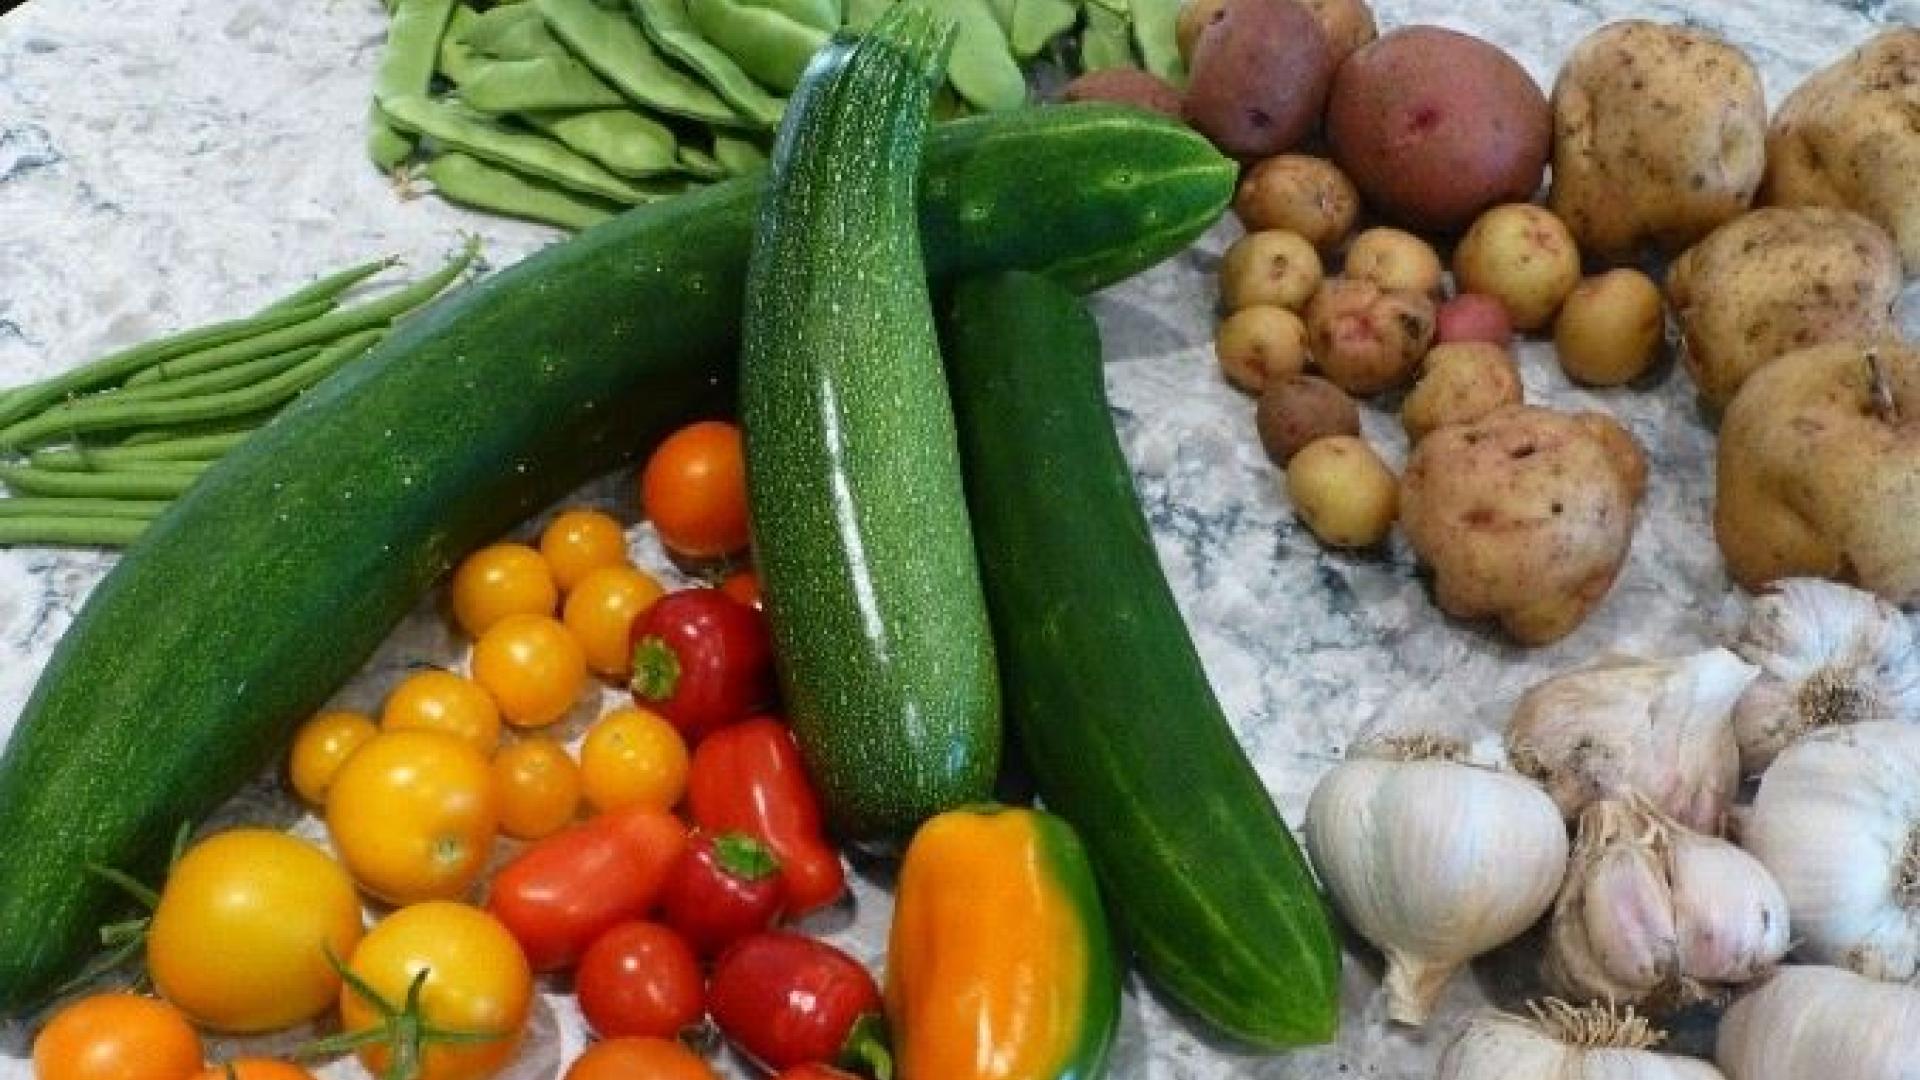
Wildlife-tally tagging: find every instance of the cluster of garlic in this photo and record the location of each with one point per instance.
(1562, 1042)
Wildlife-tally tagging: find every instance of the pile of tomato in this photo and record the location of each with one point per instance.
(654, 865)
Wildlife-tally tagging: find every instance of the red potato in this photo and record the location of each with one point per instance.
(1298, 410)
(1261, 72)
(1473, 317)
(1126, 86)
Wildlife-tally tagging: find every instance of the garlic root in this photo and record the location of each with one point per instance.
(1562, 1042)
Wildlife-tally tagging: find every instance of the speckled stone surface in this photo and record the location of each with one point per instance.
(169, 162)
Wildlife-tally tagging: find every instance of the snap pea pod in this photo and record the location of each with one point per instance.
(737, 155)
(1107, 40)
(406, 67)
(471, 182)
(611, 44)
(768, 44)
(982, 69)
(109, 415)
(193, 448)
(672, 31)
(145, 484)
(330, 288)
(471, 133)
(502, 87)
(624, 141)
(701, 164)
(116, 367)
(205, 382)
(70, 531)
(49, 507)
(1155, 38)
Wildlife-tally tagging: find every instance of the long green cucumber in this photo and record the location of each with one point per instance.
(266, 586)
(1123, 734)
(853, 473)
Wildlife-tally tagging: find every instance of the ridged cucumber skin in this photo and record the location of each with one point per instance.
(1118, 723)
(271, 582)
(860, 529)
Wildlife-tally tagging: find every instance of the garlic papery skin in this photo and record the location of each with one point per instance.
(1821, 1023)
(1837, 824)
(1653, 913)
(1829, 655)
(1434, 862)
(1564, 1043)
(1661, 729)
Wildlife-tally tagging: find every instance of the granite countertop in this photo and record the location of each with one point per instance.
(169, 162)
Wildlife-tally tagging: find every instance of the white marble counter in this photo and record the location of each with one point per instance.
(169, 162)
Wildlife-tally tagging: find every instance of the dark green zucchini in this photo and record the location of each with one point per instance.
(271, 581)
(1122, 732)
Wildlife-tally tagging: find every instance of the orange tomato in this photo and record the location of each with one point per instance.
(477, 982)
(413, 814)
(744, 586)
(538, 787)
(254, 1069)
(640, 1059)
(322, 746)
(601, 611)
(117, 1037)
(532, 666)
(436, 700)
(694, 490)
(502, 580)
(633, 757)
(578, 542)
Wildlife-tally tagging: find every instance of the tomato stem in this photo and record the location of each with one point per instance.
(866, 1050)
(404, 1031)
(656, 669)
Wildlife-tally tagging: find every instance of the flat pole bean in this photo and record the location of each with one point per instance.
(406, 67)
(467, 180)
(667, 24)
(612, 44)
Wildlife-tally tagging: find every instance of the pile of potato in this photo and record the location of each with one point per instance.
(1659, 146)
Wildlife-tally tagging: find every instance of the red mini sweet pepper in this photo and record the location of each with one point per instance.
(703, 660)
(721, 889)
(788, 1000)
(749, 778)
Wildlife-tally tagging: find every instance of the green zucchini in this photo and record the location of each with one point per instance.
(859, 516)
(1112, 708)
(268, 584)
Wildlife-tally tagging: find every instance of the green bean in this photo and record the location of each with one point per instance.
(245, 424)
(737, 155)
(150, 484)
(406, 67)
(124, 509)
(70, 532)
(472, 182)
(611, 44)
(700, 164)
(1155, 38)
(1107, 40)
(111, 416)
(116, 367)
(171, 385)
(330, 288)
(626, 142)
(671, 30)
(769, 45)
(194, 448)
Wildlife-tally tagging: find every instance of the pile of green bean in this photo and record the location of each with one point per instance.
(569, 111)
(99, 451)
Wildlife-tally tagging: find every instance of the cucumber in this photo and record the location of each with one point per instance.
(1111, 706)
(859, 518)
(266, 586)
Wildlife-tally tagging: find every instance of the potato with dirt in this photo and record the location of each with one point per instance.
(1261, 71)
(1523, 256)
(1259, 344)
(1774, 281)
(1274, 268)
(1610, 328)
(1435, 126)
(1300, 409)
(1126, 86)
(1368, 340)
(1460, 383)
(1819, 470)
(1849, 137)
(1659, 137)
(1524, 516)
(1343, 491)
(1305, 195)
(1395, 259)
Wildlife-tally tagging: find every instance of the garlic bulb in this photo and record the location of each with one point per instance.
(1821, 1023)
(1655, 913)
(1837, 823)
(1561, 1042)
(1626, 726)
(1434, 862)
(1829, 655)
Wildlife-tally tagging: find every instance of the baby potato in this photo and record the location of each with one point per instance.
(1297, 410)
(1343, 491)
(1349, 24)
(1394, 259)
(1367, 339)
(1461, 382)
(1610, 328)
(1259, 344)
(1261, 71)
(1126, 86)
(1270, 269)
(1193, 18)
(1473, 317)
(1301, 194)
(1523, 256)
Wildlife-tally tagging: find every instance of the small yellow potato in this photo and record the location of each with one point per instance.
(1269, 269)
(1395, 259)
(1610, 328)
(1522, 255)
(1367, 340)
(1343, 491)
(1461, 382)
(1259, 344)
(1301, 194)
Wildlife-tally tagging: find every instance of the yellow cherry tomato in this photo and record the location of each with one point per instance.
(538, 786)
(413, 814)
(436, 700)
(633, 758)
(239, 941)
(477, 982)
(117, 1037)
(601, 611)
(578, 542)
(322, 746)
(502, 580)
(532, 666)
